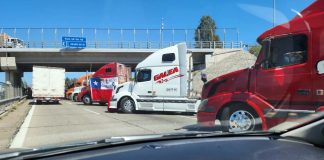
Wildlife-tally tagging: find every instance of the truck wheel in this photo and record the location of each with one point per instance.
(75, 97)
(38, 102)
(87, 100)
(127, 105)
(239, 117)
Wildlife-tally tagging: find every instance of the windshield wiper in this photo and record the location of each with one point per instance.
(220, 134)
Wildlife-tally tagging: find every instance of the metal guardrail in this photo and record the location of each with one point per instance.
(5, 103)
(140, 45)
(8, 91)
(122, 38)
(4, 91)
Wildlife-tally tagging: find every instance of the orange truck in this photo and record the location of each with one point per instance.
(73, 92)
(69, 92)
(79, 84)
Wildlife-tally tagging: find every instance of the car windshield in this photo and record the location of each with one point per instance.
(87, 70)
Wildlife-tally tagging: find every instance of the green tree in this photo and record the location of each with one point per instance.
(255, 49)
(69, 82)
(206, 30)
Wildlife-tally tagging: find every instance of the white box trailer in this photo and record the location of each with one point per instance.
(48, 83)
(162, 83)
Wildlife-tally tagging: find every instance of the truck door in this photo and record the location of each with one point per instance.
(318, 74)
(143, 88)
(318, 85)
(284, 78)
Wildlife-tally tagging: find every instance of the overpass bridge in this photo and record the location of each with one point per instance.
(43, 46)
(80, 60)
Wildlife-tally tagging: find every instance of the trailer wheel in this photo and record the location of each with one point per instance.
(127, 105)
(87, 100)
(38, 102)
(239, 117)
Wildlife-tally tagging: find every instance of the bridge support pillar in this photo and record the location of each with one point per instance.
(12, 77)
(13, 81)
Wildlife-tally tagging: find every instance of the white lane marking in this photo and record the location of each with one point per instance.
(19, 139)
(91, 111)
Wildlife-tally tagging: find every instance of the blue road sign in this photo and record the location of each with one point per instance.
(74, 42)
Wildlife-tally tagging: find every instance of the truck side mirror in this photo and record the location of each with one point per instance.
(204, 77)
(320, 67)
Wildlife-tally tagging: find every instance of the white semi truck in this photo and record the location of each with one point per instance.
(48, 84)
(162, 83)
(7, 41)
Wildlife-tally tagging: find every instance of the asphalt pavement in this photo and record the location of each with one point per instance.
(71, 122)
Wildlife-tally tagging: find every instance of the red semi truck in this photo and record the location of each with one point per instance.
(286, 80)
(109, 75)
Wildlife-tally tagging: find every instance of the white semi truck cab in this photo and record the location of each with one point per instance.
(7, 41)
(161, 84)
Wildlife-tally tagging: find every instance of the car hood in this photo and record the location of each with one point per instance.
(127, 86)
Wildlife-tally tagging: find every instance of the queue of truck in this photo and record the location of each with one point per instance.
(285, 80)
(161, 84)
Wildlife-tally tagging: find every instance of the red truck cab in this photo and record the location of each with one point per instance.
(110, 70)
(285, 81)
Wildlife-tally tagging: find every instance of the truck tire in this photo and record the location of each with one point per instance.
(38, 102)
(68, 97)
(87, 100)
(75, 98)
(111, 110)
(239, 117)
(127, 105)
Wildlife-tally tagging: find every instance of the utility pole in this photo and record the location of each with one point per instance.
(274, 12)
(161, 36)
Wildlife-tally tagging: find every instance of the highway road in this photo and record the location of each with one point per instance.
(71, 122)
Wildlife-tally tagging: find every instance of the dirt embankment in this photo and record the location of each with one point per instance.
(11, 121)
(220, 63)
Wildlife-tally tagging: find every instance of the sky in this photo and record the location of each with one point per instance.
(250, 17)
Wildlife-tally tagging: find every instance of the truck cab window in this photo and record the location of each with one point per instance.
(264, 54)
(108, 70)
(168, 57)
(288, 50)
(143, 75)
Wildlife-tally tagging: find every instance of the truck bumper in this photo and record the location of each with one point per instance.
(113, 104)
(206, 119)
(46, 99)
